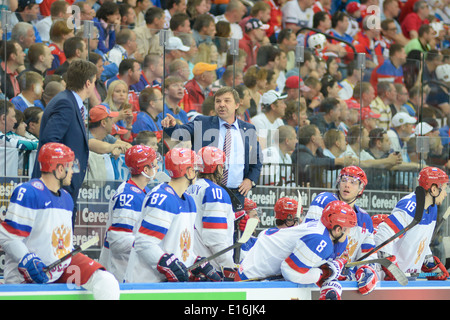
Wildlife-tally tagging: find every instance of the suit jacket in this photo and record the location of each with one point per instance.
(62, 122)
(204, 131)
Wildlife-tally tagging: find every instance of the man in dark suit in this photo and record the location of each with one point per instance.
(235, 137)
(64, 117)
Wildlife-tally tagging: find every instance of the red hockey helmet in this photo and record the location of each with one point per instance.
(432, 175)
(139, 156)
(53, 154)
(178, 160)
(377, 219)
(249, 205)
(211, 158)
(355, 172)
(285, 207)
(338, 213)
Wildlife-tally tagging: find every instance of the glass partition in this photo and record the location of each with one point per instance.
(319, 104)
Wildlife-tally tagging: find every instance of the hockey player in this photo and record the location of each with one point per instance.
(125, 209)
(267, 247)
(315, 258)
(412, 250)
(164, 237)
(37, 230)
(214, 224)
(277, 250)
(350, 186)
(251, 210)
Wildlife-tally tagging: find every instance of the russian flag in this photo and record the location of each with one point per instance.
(214, 223)
(17, 229)
(152, 230)
(121, 227)
(296, 264)
(394, 224)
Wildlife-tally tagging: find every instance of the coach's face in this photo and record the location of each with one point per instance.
(225, 107)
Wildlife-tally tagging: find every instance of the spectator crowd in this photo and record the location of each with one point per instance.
(321, 108)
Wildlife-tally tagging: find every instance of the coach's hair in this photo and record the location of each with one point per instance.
(78, 73)
(224, 90)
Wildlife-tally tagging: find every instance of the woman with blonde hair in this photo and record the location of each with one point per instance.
(207, 52)
(117, 101)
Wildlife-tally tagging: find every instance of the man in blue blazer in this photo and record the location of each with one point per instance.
(63, 122)
(244, 161)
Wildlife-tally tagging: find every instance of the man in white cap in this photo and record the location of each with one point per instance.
(270, 119)
(430, 134)
(401, 129)
(175, 49)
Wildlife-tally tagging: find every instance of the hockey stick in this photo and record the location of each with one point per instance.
(273, 277)
(248, 231)
(420, 206)
(78, 249)
(388, 264)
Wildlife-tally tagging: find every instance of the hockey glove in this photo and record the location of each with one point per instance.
(241, 219)
(331, 270)
(207, 270)
(229, 274)
(32, 269)
(331, 290)
(388, 275)
(433, 264)
(172, 268)
(367, 279)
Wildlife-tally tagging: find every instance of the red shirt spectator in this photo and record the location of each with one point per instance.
(250, 43)
(275, 17)
(200, 86)
(412, 22)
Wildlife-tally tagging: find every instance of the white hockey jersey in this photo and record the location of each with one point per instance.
(411, 248)
(36, 221)
(166, 226)
(361, 238)
(124, 214)
(313, 248)
(214, 223)
(289, 251)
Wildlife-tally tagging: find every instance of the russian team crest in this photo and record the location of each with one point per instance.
(61, 240)
(185, 244)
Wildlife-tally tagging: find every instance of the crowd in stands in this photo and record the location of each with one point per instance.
(320, 109)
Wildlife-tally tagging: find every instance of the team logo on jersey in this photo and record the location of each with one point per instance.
(61, 240)
(351, 246)
(38, 185)
(420, 250)
(185, 244)
(135, 189)
(169, 190)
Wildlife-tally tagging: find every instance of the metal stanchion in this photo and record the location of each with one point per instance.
(6, 21)
(361, 66)
(234, 51)
(299, 59)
